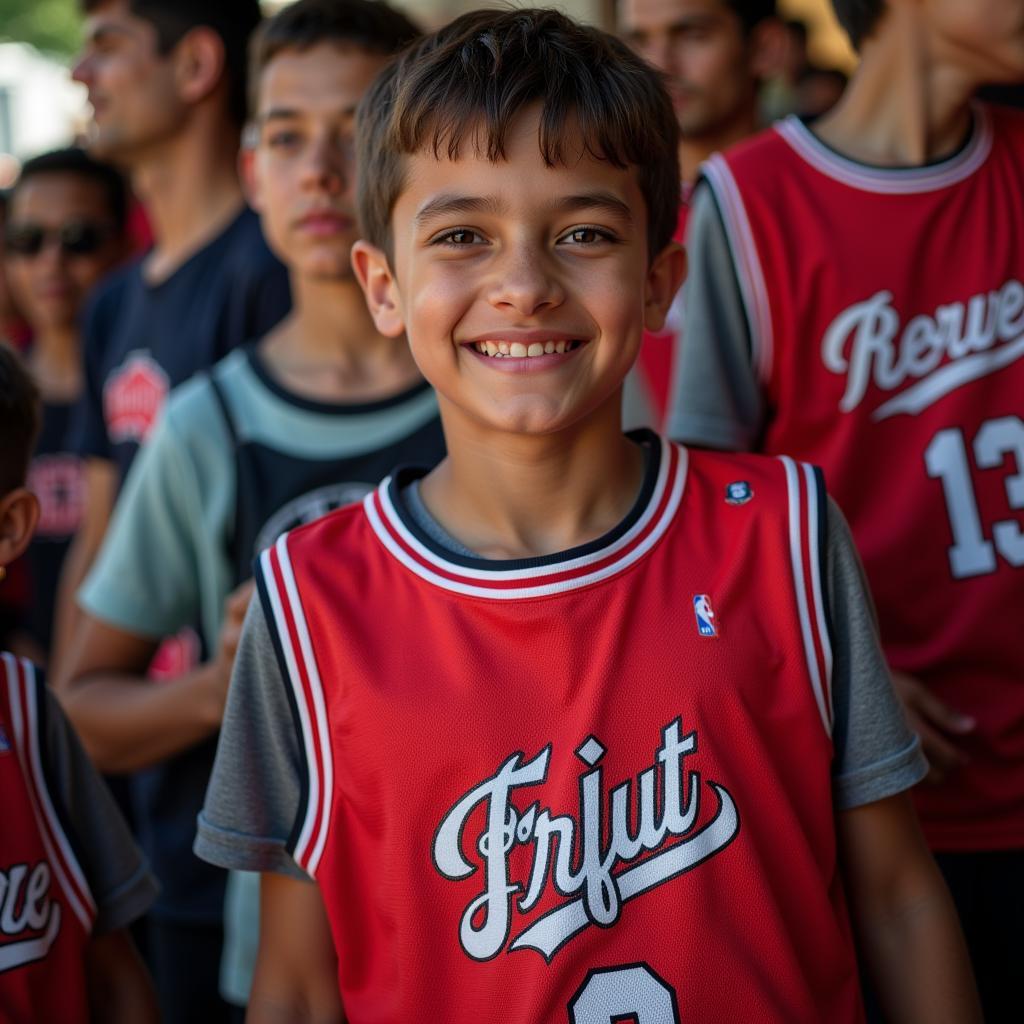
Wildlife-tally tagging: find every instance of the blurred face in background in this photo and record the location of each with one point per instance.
(61, 239)
(299, 157)
(712, 67)
(132, 86)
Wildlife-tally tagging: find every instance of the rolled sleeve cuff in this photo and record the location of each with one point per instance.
(885, 778)
(127, 903)
(237, 851)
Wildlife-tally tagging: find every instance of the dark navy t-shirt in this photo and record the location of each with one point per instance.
(141, 340)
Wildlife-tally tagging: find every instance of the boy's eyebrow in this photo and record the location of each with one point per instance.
(448, 203)
(606, 201)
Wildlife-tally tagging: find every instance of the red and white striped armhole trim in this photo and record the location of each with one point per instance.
(746, 260)
(23, 699)
(807, 509)
(289, 622)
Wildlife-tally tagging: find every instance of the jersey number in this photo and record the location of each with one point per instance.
(633, 993)
(946, 457)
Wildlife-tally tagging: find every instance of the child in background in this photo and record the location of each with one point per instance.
(71, 879)
(303, 420)
(578, 725)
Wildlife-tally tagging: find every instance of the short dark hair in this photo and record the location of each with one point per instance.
(370, 25)
(752, 12)
(78, 162)
(232, 20)
(19, 419)
(858, 17)
(481, 71)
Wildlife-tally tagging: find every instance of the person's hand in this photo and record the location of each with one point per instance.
(936, 723)
(235, 608)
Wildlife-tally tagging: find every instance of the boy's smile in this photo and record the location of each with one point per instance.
(524, 288)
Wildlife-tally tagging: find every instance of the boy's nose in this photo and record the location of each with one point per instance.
(524, 282)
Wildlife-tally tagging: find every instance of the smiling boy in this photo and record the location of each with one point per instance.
(559, 729)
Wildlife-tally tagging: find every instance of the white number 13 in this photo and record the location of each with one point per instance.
(633, 993)
(947, 460)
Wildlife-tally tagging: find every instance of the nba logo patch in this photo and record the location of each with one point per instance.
(705, 615)
(5, 743)
(739, 492)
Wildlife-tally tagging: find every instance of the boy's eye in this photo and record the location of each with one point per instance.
(587, 236)
(458, 237)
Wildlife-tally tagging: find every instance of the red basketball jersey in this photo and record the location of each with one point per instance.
(46, 910)
(887, 316)
(586, 788)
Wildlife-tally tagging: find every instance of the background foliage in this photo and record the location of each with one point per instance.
(50, 25)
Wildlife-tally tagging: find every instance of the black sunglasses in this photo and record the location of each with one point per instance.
(76, 238)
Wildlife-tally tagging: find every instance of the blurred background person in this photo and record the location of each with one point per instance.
(167, 83)
(65, 231)
(13, 328)
(715, 55)
(818, 91)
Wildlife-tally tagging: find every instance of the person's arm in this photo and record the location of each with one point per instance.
(119, 989)
(715, 400)
(126, 721)
(296, 980)
(100, 492)
(904, 917)
(905, 921)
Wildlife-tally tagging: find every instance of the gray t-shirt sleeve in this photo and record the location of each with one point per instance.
(876, 754)
(255, 791)
(715, 400)
(118, 876)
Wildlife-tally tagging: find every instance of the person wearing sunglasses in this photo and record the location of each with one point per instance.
(65, 230)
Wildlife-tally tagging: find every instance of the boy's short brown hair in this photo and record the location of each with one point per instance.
(370, 25)
(480, 72)
(19, 420)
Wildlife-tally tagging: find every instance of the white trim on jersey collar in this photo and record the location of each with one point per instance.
(506, 583)
(892, 180)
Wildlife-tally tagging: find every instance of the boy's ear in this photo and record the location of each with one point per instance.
(380, 288)
(199, 63)
(19, 513)
(664, 278)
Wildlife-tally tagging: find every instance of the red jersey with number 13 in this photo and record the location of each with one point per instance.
(886, 310)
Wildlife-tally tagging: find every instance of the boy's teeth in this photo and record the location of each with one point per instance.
(520, 350)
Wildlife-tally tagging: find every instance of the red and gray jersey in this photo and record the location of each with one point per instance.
(886, 324)
(580, 787)
(46, 908)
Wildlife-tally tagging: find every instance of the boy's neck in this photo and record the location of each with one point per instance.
(902, 108)
(328, 349)
(523, 496)
(55, 362)
(191, 192)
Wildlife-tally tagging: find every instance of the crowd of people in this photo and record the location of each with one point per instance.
(364, 459)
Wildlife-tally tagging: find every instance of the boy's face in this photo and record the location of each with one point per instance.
(63, 240)
(711, 66)
(131, 86)
(300, 169)
(983, 37)
(523, 289)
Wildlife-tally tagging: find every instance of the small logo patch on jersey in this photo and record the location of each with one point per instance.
(739, 492)
(5, 743)
(705, 615)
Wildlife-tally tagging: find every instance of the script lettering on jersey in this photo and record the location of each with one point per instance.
(578, 855)
(959, 343)
(28, 916)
